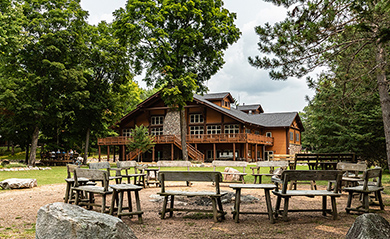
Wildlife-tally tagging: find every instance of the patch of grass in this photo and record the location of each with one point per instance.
(19, 217)
(191, 224)
(158, 229)
(199, 216)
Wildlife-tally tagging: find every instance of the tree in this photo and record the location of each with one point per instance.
(47, 69)
(140, 141)
(316, 33)
(179, 42)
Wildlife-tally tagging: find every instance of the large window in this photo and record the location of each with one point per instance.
(196, 118)
(268, 134)
(213, 129)
(248, 131)
(297, 137)
(156, 131)
(126, 132)
(196, 130)
(291, 136)
(232, 129)
(157, 120)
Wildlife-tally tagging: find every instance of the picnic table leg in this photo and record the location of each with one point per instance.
(323, 205)
(379, 196)
(172, 205)
(91, 200)
(164, 208)
(215, 211)
(334, 207)
(220, 208)
(285, 209)
(277, 206)
(114, 198)
(366, 201)
(129, 202)
(349, 202)
(104, 203)
(236, 212)
(269, 205)
(138, 206)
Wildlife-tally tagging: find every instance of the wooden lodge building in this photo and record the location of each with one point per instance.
(215, 130)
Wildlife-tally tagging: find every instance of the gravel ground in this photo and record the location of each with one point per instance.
(18, 210)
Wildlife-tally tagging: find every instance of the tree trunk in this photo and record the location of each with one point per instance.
(13, 148)
(86, 146)
(34, 146)
(27, 151)
(183, 134)
(383, 88)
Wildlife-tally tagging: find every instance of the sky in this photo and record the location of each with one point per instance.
(247, 84)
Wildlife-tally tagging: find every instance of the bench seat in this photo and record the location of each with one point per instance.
(193, 194)
(308, 193)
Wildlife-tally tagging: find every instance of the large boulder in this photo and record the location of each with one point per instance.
(62, 220)
(369, 226)
(231, 176)
(14, 183)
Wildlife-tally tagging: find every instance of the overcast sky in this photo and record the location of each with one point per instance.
(246, 84)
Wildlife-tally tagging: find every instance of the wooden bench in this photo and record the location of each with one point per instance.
(307, 175)
(267, 164)
(174, 164)
(365, 189)
(221, 163)
(322, 160)
(106, 166)
(352, 173)
(124, 169)
(283, 157)
(193, 176)
(81, 191)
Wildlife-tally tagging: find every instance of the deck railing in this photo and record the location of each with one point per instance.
(199, 138)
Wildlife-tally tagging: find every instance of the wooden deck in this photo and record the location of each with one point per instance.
(197, 139)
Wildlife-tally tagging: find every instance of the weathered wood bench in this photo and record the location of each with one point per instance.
(221, 163)
(124, 169)
(352, 173)
(267, 164)
(365, 189)
(193, 176)
(322, 160)
(283, 157)
(81, 191)
(174, 164)
(106, 166)
(307, 175)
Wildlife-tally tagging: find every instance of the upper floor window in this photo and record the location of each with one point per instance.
(297, 137)
(156, 131)
(213, 129)
(196, 118)
(257, 132)
(227, 104)
(232, 129)
(157, 120)
(196, 130)
(126, 132)
(291, 136)
(248, 131)
(268, 134)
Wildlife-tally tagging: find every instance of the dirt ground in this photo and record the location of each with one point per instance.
(18, 210)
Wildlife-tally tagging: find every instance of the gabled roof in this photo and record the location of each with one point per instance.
(218, 96)
(250, 107)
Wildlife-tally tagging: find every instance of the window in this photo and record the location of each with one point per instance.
(257, 132)
(297, 137)
(196, 130)
(232, 129)
(248, 131)
(213, 129)
(268, 134)
(156, 131)
(227, 104)
(157, 120)
(196, 118)
(291, 136)
(267, 154)
(126, 132)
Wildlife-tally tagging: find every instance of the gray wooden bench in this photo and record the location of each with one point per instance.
(124, 170)
(271, 165)
(307, 175)
(81, 191)
(174, 164)
(106, 166)
(365, 189)
(222, 163)
(193, 176)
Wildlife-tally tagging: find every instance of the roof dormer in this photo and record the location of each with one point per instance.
(251, 109)
(224, 99)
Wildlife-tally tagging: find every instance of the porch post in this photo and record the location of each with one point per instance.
(114, 152)
(255, 152)
(99, 153)
(214, 151)
(124, 152)
(246, 151)
(234, 152)
(108, 153)
(172, 151)
(153, 154)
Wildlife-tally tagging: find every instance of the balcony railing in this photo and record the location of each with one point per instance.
(199, 138)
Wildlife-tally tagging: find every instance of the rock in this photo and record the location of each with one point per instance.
(14, 183)
(62, 220)
(231, 177)
(4, 162)
(369, 226)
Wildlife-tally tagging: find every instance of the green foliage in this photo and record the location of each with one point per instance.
(140, 140)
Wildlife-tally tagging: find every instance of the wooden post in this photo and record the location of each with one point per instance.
(114, 153)
(172, 151)
(214, 152)
(123, 152)
(153, 154)
(255, 152)
(246, 151)
(234, 152)
(108, 153)
(99, 153)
